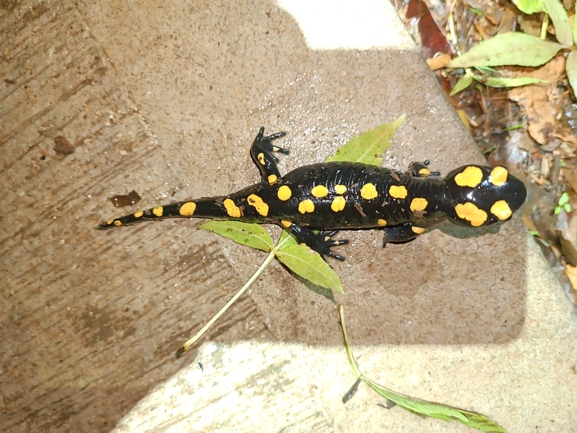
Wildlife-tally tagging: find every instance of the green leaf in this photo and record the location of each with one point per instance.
(418, 406)
(512, 48)
(250, 235)
(574, 30)
(558, 15)
(571, 69)
(286, 240)
(564, 199)
(507, 82)
(437, 410)
(309, 265)
(462, 84)
(369, 146)
(530, 6)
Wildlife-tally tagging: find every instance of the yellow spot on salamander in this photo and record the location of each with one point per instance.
(260, 206)
(340, 189)
(187, 209)
(470, 176)
(231, 209)
(369, 192)
(272, 178)
(499, 176)
(338, 204)
(117, 223)
(320, 191)
(286, 223)
(424, 172)
(418, 204)
(501, 210)
(381, 223)
(417, 230)
(306, 206)
(284, 193)
(260, 158)
(138, 214)
(109, 222)
(471, 213)
(398, 191)
(158, 211)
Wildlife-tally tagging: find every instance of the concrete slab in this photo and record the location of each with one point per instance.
(165, 98)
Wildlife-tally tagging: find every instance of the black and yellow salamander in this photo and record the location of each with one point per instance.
(348, 195)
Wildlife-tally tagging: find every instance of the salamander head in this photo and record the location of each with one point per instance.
(479, 196)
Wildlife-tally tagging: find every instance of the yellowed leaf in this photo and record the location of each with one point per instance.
(571, 272)
(464, 119)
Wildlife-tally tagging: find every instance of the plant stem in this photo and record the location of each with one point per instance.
(186, 346)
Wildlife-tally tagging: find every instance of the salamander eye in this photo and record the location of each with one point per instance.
(480, 196)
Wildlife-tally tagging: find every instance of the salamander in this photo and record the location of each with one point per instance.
(331, 196)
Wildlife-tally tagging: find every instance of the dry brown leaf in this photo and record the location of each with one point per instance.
(567, 230)
(439, 61)
(571, 272)
(509, 19)
(570, 174)
(540, 108)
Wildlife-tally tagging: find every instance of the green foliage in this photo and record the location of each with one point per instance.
(369, 146)
(507, 82)
(250, 235)
(418, 406)
(561, 22)
(517, 48)
(574, 30)
(497, 82)
(299, 259)
(464, 82)
(571, 69)
(563, 204)
(308, 264)
(506, 49)
(530, 6)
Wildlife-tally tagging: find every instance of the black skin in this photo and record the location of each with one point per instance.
(345, 182)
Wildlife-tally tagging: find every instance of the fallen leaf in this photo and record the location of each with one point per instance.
(432, 38)
(571, 272)
(563, 31)
(439, 61)
(540, 109)
(570, 174)
(530, 6)
(571, 69)
(514, 48)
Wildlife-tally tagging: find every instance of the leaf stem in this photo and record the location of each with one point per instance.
(186, 346)
(351, 356)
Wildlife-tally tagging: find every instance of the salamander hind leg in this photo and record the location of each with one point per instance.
(262, 152)
(401, 233)
(320, 242)
(421, 169)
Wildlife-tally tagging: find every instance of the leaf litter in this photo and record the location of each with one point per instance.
(532, 128)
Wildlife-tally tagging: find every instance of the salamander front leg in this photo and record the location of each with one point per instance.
(262, 151)
(421, 169)
(320, 242)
